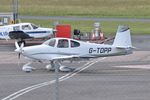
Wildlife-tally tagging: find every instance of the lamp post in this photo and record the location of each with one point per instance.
(15, 10)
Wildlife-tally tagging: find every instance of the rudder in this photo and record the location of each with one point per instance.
(123, 37)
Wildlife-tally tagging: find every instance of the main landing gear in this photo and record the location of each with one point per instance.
(50, 67)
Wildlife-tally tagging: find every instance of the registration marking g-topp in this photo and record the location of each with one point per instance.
(100, 50)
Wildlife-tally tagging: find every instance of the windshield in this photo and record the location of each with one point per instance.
(50, 42)
(34, 26)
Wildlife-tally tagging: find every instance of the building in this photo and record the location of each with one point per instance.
(6, 18)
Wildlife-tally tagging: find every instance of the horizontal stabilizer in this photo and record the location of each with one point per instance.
(125, 47)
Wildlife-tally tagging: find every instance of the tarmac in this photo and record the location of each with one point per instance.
(106, 78)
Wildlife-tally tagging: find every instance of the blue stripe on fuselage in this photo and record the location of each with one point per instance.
(31, 32)
(1, 34)
(37, 32)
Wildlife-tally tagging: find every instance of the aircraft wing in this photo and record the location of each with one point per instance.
(18, 35)
(65, 57)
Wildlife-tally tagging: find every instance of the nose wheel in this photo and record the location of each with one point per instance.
(27, 68)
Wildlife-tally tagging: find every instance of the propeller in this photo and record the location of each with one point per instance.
(19, 49)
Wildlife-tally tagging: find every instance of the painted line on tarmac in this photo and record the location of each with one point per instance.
(135, 66)
(63, 78)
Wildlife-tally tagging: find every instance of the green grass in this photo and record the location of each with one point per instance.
(109, 28)
(88, 8)
(91, 8)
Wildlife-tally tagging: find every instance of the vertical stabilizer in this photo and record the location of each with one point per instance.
(123, 37)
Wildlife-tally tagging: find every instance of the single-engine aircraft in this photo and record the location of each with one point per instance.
(22, 31)
(57, 49)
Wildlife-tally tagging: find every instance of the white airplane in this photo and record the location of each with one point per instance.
(57, 49)
(23, 31)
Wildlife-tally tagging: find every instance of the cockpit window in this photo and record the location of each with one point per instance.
(34, 26)
(52, 42)
(74, 44)
(63, 43)
(16, 28)
(26, 27)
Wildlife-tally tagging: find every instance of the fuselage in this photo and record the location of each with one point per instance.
(48, 51)
(28, 28)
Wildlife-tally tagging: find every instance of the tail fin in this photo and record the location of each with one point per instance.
(123, 37)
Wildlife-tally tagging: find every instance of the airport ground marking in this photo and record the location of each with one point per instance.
(135, 66)
(63, 78)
